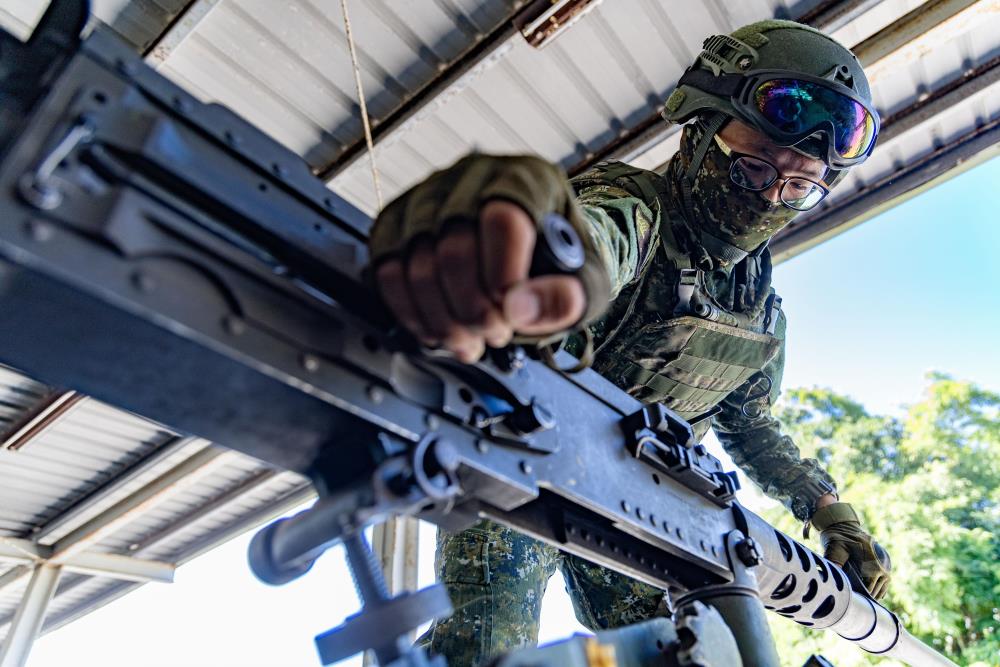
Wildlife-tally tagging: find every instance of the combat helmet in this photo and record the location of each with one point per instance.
(800, 87)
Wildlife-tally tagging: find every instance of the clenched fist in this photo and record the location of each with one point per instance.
(451, 256)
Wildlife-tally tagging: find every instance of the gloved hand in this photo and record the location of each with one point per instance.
(451, 256)
(845, 543)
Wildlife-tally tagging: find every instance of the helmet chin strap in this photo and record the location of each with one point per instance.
(716, 247)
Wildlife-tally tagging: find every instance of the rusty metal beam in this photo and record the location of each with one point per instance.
(39, 418)
(908, 28)
(121, 479)
(941, 99)
(452, 76)
(479, 54)
(833, 15)
(177, 31)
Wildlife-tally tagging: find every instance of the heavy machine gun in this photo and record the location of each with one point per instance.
(166, 257)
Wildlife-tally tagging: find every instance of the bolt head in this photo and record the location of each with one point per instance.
(749, 553)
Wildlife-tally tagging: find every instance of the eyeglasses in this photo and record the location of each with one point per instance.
(757, 175)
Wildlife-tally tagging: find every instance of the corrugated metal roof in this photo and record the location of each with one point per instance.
(282, 65)
(93, 457)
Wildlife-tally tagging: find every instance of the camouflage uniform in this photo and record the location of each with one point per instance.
(652, 348)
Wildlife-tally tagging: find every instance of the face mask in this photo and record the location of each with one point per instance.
(728, 212)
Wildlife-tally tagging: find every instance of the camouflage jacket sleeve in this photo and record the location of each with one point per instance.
(759, 448)
(625, 208)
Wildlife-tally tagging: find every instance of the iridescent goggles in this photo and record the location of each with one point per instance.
(790, 107)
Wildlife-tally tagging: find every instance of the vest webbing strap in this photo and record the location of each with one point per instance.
(713, 369)
(661, 384)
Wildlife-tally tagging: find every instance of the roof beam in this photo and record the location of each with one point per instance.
(832, 15)
(917, 32)
(125, 568)
(452, 76)
(286, 503)
(85, 505)
(179, 477)
(40, 417)
(178, 31)
(455, 75)
(23, 551)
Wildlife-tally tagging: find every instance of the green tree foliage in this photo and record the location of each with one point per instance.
(928, 487)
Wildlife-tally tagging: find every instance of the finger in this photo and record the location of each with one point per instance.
(875, 587)
(544, 305)
(457, 257)
(507, 239)
(432, 307)
(391, 279)
(881, 588)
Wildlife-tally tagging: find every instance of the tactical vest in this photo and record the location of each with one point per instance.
(666, 339)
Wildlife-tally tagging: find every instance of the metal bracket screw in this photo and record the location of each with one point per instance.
(748, 552)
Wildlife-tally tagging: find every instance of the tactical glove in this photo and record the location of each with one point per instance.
(845, 543)
(457, 194)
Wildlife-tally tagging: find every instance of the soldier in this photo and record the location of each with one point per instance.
(779, 112)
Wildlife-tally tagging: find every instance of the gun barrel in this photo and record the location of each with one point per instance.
(797, 583)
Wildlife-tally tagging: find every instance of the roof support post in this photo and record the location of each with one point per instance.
(30, 615)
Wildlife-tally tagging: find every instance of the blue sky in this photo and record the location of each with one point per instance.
(870, 313)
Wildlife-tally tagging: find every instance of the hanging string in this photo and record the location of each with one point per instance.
(365, 121)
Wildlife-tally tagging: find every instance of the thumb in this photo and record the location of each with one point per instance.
(545, 305)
